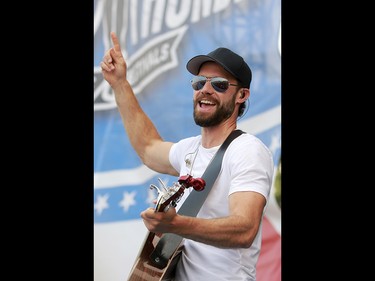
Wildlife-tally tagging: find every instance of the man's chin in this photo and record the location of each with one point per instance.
(204, 121)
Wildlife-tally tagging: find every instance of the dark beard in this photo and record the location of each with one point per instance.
(222, 113)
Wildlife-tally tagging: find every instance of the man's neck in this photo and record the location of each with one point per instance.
(215, 136)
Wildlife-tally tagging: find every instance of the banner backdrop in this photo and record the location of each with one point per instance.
(157, 38)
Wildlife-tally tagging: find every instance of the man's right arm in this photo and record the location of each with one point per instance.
(143, 135)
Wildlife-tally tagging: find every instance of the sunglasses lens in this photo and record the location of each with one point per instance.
(219, 84)
(198, 82)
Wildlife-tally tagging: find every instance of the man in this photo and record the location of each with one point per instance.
(223, 241)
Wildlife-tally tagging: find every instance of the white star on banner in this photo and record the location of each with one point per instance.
(128, 200)
(101, 203)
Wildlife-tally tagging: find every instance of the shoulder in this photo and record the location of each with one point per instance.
(185, 144)
(250, 149)
(188, 142)
(248, 141)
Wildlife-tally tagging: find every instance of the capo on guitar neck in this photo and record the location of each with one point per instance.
(197, 183)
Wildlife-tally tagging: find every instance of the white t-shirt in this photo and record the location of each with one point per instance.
(247, 166)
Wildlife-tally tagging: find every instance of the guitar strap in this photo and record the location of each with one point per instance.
(169, 242)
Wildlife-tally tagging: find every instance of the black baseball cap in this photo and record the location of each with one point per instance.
(230, 61)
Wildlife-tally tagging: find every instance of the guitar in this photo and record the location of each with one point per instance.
(145, 268)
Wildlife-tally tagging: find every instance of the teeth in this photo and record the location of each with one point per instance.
(206, 102)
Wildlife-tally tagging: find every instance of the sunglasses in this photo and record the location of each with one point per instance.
(218, 83)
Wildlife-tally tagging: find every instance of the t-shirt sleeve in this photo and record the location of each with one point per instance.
(251, 166)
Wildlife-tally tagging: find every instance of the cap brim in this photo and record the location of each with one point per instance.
(195, 63)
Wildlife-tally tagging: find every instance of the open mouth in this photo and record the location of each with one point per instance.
(206, 104)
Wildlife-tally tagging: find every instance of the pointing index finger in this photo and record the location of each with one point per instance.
(116, 44)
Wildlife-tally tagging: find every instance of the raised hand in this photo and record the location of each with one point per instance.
(113, 64)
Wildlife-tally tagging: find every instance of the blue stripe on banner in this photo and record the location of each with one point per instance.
(124, 202)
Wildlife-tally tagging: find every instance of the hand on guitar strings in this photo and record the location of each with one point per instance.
(162, 222)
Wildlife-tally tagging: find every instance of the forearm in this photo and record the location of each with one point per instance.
(228, 232)
(139, 128)
(141, 132)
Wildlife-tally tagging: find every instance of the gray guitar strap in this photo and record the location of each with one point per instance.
(169, 242)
